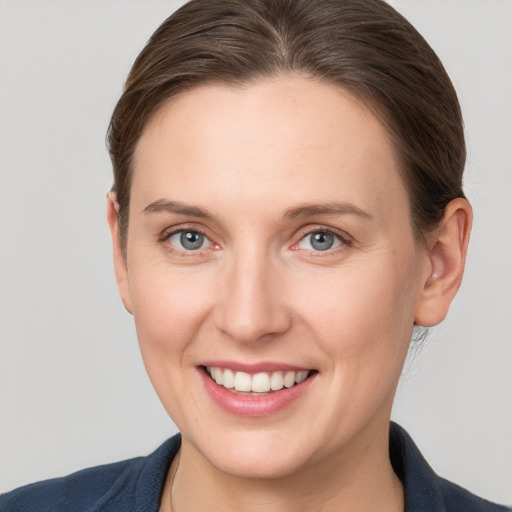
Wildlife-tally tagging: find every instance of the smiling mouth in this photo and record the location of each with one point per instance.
(256, 384)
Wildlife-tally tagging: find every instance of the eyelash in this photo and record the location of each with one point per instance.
(344, 239)
(164, 239)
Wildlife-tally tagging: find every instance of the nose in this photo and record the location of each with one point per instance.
(252, 305)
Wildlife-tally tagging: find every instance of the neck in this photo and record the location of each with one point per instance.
(358, 478)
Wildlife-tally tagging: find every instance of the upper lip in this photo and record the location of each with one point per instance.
(263, 366)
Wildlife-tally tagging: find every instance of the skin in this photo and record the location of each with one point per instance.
(258, 291)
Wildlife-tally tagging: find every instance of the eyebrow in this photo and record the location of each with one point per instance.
(305, 210)
(164, 206)
(309, 210)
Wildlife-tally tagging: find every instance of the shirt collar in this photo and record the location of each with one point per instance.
(421, 485)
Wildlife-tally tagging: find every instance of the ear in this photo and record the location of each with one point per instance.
(120, 265)
(447, 249)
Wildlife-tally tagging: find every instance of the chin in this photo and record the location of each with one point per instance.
(256, 455)
(262, 466)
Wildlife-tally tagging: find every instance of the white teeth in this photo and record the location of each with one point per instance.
(276, 381)
(301, 376)
(228, 379)
(218, 375)
(242, 381)
(289, 379)
(262, 382)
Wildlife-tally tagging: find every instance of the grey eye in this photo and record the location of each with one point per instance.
(188, 240)
(320, 241)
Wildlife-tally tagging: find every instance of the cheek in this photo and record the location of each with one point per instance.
(362, 312)
(169, 307)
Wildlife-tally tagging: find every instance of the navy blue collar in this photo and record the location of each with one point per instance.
(424, 490)
(136, 485)
(421, 484)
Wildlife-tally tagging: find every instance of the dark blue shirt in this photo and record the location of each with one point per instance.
(136, 485)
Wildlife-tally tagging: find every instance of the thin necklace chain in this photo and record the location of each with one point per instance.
(173, 477)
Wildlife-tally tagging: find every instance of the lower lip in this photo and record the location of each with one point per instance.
(250, 405)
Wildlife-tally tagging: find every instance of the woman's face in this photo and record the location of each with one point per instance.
(269, 234)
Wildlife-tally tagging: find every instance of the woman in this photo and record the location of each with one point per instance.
(287, 207)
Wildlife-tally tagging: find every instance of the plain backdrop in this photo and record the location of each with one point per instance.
(74, 392)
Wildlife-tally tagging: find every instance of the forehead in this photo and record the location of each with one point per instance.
(287, 134)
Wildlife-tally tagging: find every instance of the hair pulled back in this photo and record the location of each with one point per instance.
(363, 46)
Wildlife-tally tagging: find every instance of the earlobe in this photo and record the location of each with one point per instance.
(447, 249)
(120, 267)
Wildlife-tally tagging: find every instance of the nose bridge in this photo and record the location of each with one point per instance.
(252, 306)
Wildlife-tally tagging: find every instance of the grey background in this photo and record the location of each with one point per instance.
(73, 390)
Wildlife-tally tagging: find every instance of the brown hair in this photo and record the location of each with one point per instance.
(364, 46)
